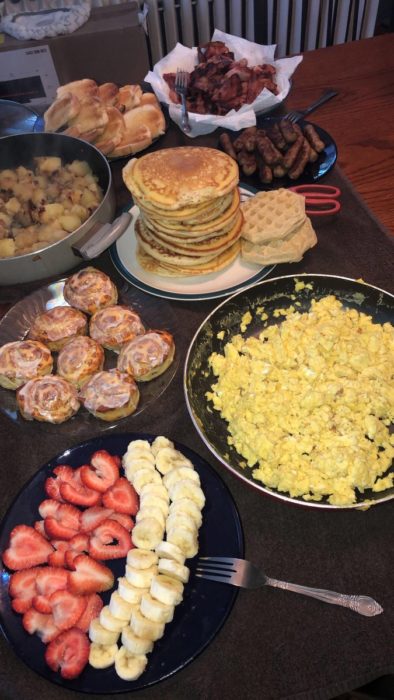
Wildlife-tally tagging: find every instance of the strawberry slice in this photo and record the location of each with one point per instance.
(102, 472)
(68, 653)
(49, 579)
(121, 497)
(66, 608)
(92, 517)
(56, 558)
(48, 508)
(52, 485)
(117, 460)
(93, 606)
(77, 492)
(123, 519)
(27, 548)
(64, 524)
(77, 545)
(43, 625)
(90, 576)
(23, 588)
(110, 540)
(40, 527)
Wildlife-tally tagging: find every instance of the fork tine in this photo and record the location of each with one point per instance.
(220, 579)
(219, 560)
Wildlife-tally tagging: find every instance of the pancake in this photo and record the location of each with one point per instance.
(217, 263)
(177, 177)
(203, 212)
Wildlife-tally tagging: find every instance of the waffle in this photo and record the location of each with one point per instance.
(272, 215)
(289, 249)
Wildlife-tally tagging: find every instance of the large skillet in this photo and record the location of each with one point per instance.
(92, 237)
(225, 320)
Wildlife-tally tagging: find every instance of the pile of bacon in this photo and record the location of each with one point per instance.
(218, 83)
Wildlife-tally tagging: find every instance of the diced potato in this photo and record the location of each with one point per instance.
(7, 248)
(51, 212)
(78, 167)
(48, 165)
(70, 222)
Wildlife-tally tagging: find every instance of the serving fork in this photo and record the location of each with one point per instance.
(239, 572)
(181, 85)
(295, 116)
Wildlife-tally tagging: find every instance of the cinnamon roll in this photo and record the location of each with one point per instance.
(114, 326)
(22, 360)
(110, 395)
(90, 290)
(147, 355)
(57, 326)
(80, 359)
(51, 399)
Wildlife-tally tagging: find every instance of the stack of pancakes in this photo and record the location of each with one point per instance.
(190, 219)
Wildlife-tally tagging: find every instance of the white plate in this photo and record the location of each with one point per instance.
(216, 284)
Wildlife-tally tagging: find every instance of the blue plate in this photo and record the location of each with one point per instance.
(197, 619)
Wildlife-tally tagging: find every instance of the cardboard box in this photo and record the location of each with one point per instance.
(109, 47)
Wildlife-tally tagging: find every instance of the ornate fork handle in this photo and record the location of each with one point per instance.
(358, 603)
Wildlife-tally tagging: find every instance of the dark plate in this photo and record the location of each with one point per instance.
(197, 619)
(313, 171)
(224, 322)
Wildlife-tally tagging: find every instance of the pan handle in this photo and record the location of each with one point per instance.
(98, 240)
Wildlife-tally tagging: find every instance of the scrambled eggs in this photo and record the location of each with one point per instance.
(309, 402)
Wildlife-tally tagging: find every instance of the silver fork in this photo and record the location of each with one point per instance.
(181, 84)
(239, 572)
(296, 116)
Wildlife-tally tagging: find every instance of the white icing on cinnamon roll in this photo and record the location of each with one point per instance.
(114, 326)
(80, 359)
(51, 399)
(57, 326)
(147, 355)
(90, 290)
(110, 395)
(22, 360)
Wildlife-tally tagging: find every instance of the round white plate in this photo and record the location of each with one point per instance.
(216, 284)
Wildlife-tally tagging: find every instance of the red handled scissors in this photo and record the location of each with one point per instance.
(320, 200)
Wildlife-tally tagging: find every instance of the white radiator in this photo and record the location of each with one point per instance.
(294, 25)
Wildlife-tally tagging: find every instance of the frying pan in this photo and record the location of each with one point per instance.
(224, 322)
(92, 237)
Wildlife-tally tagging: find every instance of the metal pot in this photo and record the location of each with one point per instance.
(87, 241)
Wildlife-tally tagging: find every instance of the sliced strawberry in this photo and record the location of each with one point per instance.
(51, 579)
(77, 545)
(117, 460)
(42, 604)
(90, 576)
(91, 517)
(68, 653)
(48, 507)
(110, 540)
(93, 606)
(121, 497)
(77, 492)
(22, 588)
(27, 548)
(40, 527)
(67, 608)
(52, 485)
(102, 472)
(43, 625)
(123, 519)
(64, 524)
(57, 557)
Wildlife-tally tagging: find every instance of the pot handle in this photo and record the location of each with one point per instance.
(99, 239)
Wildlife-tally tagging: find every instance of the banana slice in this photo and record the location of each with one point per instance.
(102, 655)
(186, 540)
(186, 505)
(147, 533)
(170, 551)
(133, 465)
(100, 635)
(140, 578)
(186, 488)
(134, 644)
(149, 500)
(183, 520)
(110, 622)
(151, 512)
(152, 489)
(141, 558)
(139, 444)
(119, 607)
(166, 589)
(145, 476)
(159, 442)
(128, 592)
(168, 458)
(129, 666)
(172, 568)
(180, 473)
(154, 610)
(147, 629)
